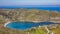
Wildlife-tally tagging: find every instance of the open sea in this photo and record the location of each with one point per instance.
(53, 8)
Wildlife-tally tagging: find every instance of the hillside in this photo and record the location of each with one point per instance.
(29, 15)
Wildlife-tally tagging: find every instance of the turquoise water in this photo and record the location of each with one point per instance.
(26, 25)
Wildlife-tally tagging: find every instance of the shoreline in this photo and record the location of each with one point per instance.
(7, 23)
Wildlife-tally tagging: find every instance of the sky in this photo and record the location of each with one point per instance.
(28, 2)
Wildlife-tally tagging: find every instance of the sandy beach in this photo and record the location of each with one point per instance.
(7, 23)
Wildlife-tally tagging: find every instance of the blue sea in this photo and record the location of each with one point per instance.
(51, 8)
(27, 25)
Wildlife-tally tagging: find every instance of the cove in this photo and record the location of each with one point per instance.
(26, 25)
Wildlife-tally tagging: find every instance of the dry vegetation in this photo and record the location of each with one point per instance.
(26, 15)
(29, 15)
